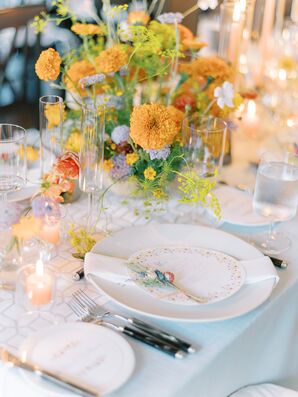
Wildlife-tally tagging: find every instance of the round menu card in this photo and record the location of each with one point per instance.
(174, 274)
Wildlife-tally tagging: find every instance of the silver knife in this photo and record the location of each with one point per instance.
(59, 380)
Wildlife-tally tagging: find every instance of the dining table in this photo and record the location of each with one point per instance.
(257, 347)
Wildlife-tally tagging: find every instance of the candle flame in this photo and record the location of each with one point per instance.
(251, 108)
(39, 267)
(237, 12)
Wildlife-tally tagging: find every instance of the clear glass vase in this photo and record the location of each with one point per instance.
(51, 130)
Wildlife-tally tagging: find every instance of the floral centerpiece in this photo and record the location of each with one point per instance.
(146, 75)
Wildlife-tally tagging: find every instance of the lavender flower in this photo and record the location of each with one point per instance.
(161, 154)
(170, 17)
(43, 206)
(90, 80)
(123, 71)
(120, 168)
(120, 134)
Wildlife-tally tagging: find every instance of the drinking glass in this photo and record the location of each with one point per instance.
(204, 140)
(13, 164)
(204, 143)
(276, 197)
(91, 155)
(51, 130)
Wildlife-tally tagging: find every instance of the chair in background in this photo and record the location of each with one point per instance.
(265, 390)
(23, 88)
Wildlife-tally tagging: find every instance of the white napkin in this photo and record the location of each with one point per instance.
(114, 269)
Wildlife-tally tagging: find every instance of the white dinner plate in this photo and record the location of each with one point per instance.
(128, 241)
(236, 208)
(209, 275)
(91, 355)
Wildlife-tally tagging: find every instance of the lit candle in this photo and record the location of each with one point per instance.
(235, 34)
(39, 286)
(50, 231)
(250, 120)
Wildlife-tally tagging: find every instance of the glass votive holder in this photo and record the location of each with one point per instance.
(35, 295)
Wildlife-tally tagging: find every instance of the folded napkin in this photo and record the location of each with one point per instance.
(114, 269)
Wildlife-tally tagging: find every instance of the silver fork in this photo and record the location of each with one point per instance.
(85, 315)
(86, 302)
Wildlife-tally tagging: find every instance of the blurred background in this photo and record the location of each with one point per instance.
(20, 46)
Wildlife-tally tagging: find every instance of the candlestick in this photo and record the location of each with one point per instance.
(267, 27)
(39, 286)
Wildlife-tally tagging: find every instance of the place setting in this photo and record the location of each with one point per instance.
(148, 228)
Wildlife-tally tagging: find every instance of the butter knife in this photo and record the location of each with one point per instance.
(59, 380)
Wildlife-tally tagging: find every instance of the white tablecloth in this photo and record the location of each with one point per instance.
(261, 346)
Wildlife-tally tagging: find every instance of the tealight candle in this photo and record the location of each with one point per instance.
(50, 231)
(250, 119)
(39, 286)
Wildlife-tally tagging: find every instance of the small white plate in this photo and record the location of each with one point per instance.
(236, 208)
(31, 187)
(210, 275)
(90, 354)
(126, 242)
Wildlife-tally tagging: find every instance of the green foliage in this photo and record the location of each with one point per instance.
(81, 240)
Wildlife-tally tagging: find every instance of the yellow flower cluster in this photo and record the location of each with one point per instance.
(31, 152)
(131, 158)
(212, 66)
(138, 18)
(73, 141)
(28, 227)
(75, 73)
(52, 113)
(86, 29)
(150, 173)
(152, 126)
(48, 64)
(108, 165)
(111, 59)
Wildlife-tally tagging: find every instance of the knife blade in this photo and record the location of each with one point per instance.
(11, 359)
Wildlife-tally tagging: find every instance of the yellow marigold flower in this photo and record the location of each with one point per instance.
(73, 142)
(132, 158)
(150, 173)
(52, 113)
(209, 66)
(152, 126)
(108, 165)
(85, 29)
(176, 115)
(27, 228)
(185, 33)
(32, 153)
(75, 73)
(48, 64)
(138, 18)
(189, 44)
(111, 59)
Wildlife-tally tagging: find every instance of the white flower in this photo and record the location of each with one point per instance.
(225, 95)
(205, 4)
(120, 134)
(170, 17)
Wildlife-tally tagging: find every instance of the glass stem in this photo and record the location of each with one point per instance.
(3, 196)
(90, 211)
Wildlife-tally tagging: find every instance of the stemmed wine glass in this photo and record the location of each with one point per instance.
(91, 155)
(13, 164)
(276, 197)
(204, 139)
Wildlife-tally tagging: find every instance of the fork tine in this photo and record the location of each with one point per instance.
(85, 298)
(81, 304)
(75, 309)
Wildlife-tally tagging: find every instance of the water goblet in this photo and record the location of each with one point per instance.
(276, 197)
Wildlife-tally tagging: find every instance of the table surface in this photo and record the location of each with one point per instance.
(261, 346)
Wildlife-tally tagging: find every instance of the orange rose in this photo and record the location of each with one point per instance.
(68, 165)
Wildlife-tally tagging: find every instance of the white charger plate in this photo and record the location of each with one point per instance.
(128, 241)
(90, 354)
